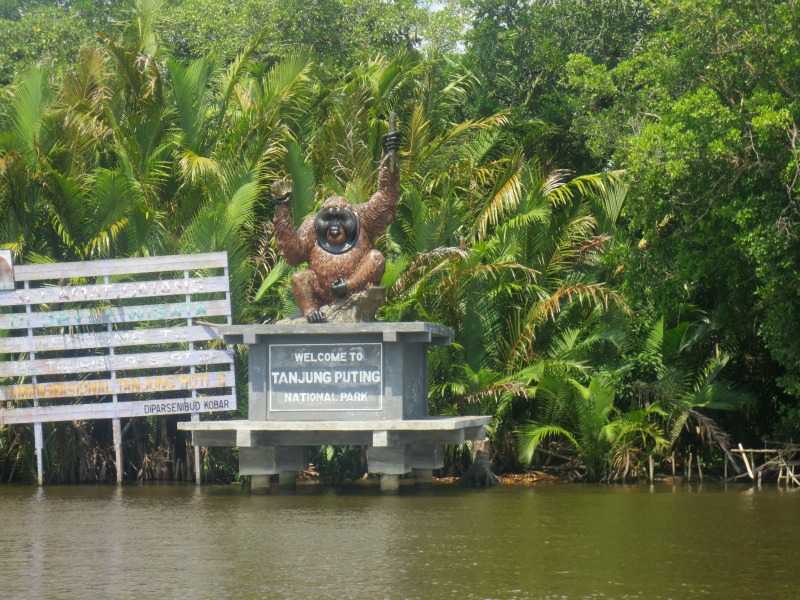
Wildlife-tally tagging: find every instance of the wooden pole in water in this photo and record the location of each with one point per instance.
(116, 425)
(197, 470)
(39, 445)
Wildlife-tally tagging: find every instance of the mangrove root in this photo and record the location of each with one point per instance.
(480, 473)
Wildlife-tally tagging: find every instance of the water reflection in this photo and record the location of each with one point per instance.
(541, 542)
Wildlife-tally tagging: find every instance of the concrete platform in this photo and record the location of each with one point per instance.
(361, 384)
(376, 433)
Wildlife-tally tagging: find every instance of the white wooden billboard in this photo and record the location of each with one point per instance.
(113, 339)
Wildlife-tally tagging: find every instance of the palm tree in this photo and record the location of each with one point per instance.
(610, 444)
(524, 256)
(674, 372)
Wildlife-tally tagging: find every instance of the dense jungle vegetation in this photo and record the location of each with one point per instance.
(599, 197)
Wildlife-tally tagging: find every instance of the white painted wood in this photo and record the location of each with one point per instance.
(108, 387)
(114, 291)
(109, 339)
(38, 443)
(117, 314)
(116, 426)
(119, 362)
(173, 300)
(198, 468)
(121, 266)
(109, 410)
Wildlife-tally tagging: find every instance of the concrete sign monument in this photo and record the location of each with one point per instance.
(343, 384)
(313, 381)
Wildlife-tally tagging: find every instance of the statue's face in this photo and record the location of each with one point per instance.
(337, 226)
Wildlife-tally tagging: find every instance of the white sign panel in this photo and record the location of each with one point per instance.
(325, 377)
(131, 337)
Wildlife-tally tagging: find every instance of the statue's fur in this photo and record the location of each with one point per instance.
(359, 266)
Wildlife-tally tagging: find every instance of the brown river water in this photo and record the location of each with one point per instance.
(545, 541)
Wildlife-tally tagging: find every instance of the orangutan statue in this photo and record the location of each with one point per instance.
(339, 241)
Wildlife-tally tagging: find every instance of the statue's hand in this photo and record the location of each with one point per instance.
(315, 316)
(391, 141)
(282, 191)
(339, 288)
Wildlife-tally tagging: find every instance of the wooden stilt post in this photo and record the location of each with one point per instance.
(197, 466)
(689, 468)
(116, 425)
(38, 441)
(650, 464)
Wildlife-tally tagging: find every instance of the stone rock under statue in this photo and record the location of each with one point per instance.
(338, 243)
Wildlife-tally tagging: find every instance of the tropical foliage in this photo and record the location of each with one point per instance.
(598, 312)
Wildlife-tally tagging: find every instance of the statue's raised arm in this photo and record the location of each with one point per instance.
(381, 208)
(294, 246)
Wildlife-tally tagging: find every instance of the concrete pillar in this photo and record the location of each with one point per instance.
(390, 484)
(259, 483)
(423, 478)
(287, 479)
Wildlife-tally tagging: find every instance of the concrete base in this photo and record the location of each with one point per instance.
(390, 484)
(423, 478)
(259, 483)
(268, 460)
(287, 480)
(394, 447)
(375, 394)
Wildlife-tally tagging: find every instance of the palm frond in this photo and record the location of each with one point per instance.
(530, 436)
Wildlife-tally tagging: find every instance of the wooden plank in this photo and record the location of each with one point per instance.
(121, 266)
(103, 288)
(107, 387)
(109, 339)
(114, 291)
(116, 314)
(118, 362)
(109, 410)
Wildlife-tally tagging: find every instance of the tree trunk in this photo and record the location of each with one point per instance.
(480, 473)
